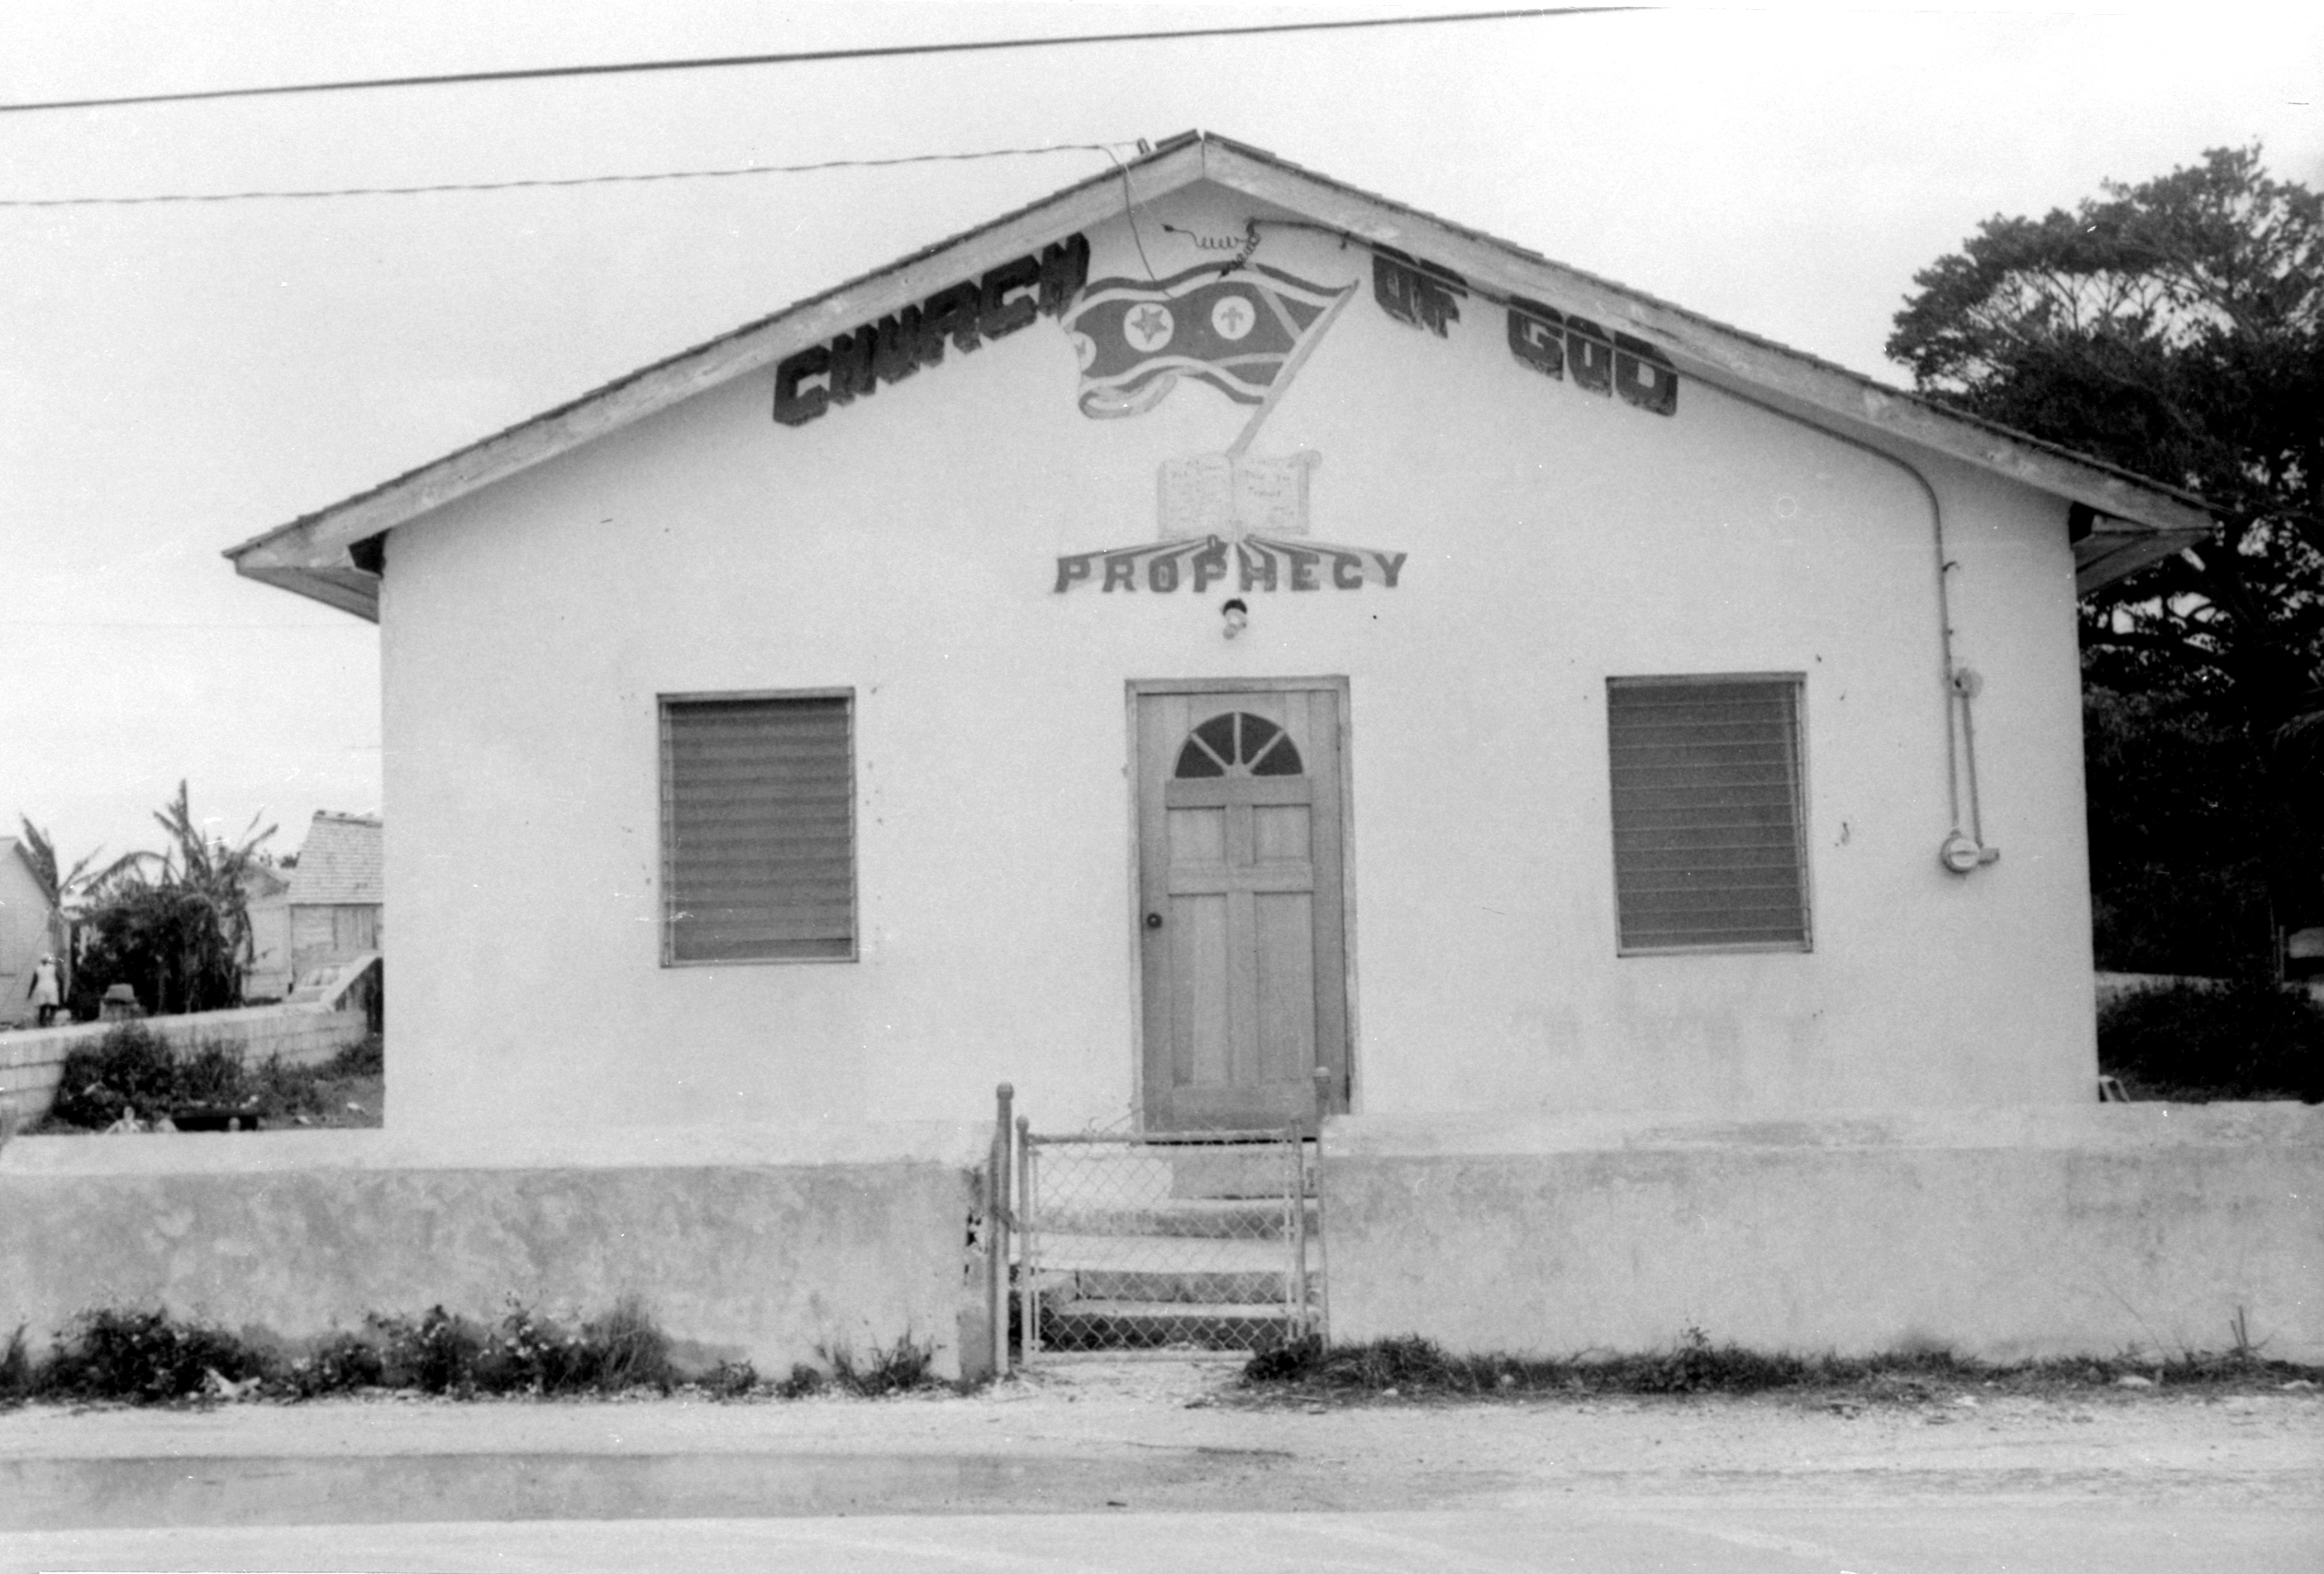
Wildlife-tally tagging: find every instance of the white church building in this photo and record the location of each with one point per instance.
(1213, 624)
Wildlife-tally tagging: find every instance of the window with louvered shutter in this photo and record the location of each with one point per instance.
(758, 797)
(1710, 844)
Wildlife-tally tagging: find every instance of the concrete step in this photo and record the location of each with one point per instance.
(1205, 1218)
(1163, 1288)
(1168, 1254)
(1253, 1172)
(1134, 1325)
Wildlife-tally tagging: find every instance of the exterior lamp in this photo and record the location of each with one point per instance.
(1237, 615)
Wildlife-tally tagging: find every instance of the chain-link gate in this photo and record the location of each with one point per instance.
(1128, 1242)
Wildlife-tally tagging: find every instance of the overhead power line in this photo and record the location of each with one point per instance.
(802, 57)
(720, 174)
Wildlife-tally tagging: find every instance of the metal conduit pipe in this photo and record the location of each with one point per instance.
(1961, 851)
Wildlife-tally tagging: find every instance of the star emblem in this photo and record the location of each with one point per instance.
(1232, 318)
(1148, 327)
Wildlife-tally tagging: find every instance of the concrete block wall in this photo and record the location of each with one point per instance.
(2004, 1233)
(743, 1245)
(303, 1034)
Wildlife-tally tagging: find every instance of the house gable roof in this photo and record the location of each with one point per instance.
(340, 863)
(2121, 522)
(21, 854)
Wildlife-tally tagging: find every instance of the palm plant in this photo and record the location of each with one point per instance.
(176, 924)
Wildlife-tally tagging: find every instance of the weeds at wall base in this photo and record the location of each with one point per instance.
(150, 1356)
(1413, 1368)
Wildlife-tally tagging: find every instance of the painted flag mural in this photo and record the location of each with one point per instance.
(1236, 332)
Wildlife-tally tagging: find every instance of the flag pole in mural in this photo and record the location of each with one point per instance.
(1297, 358)
(1227, 520)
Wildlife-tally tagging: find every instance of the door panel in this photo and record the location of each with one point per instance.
(1280, 831)
(1287, 985)
(1241, 915)
(1198, 835)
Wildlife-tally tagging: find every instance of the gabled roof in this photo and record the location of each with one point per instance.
(340, 863)
(2123, 523)
(262, 881)
(23, 855)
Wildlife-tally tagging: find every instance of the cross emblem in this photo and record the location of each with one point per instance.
(1232, 318)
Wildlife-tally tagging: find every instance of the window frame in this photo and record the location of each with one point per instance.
(663, 705)
(1798, 684)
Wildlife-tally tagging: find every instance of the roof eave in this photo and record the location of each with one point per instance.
(293, 556)
(2118, 548)
(314, 555)
(1724, 357)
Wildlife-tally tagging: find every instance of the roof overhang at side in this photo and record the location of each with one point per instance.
(2123, 523)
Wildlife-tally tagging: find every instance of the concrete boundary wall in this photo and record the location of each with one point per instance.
(2001, 1233)
(2113, 987)
(302, 1035)
(743, 1245)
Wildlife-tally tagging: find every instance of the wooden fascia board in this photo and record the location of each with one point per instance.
(323, 539)
(1818, 392)
(2101, 561)
(346, 590)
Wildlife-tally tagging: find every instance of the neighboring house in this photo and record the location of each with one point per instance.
(337, 893)
(1504, 689)
(30, 928)
(266, 899)
(2303, 954)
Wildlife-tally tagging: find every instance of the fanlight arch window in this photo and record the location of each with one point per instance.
(1237, 744)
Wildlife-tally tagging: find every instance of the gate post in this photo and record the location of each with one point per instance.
(1029, 1312)
(1322, 1324)
(996, 1233)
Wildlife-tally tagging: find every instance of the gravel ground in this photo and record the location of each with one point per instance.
(1164, 1434)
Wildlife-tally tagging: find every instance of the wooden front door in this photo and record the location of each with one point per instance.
(1241, 907)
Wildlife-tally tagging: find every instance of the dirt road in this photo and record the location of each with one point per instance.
(1167, 1464)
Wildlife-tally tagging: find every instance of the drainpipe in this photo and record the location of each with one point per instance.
(1963, 850)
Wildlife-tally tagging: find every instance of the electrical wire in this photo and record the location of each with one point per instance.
(286, 196)
(800, 57)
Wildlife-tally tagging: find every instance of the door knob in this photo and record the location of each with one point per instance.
(1153, 921)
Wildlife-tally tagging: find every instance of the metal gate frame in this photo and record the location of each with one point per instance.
(1011, 1210)
(1304, 1309)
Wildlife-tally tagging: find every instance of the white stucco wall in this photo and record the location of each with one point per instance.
(774, 1247)
(28, 930)
(904, 547)
(2001, 1233)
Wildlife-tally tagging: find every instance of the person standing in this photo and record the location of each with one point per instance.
(47, 989)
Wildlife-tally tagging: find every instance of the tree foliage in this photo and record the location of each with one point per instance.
(2175, 328)
(63, 886)
(174, 925)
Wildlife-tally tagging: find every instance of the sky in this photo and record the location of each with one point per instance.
(176, 378)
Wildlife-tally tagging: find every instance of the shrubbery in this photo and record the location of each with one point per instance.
(523, 1353)
(143, 1356)
(131, 1068)
(2194, 1043)
(134, 1068)
(1416, 1368)
(151, 1357)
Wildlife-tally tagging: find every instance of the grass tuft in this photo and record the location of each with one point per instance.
(895, 1368)
(15, 1368)
(730, 1380)
(148, 1357)
(1415, 1366)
